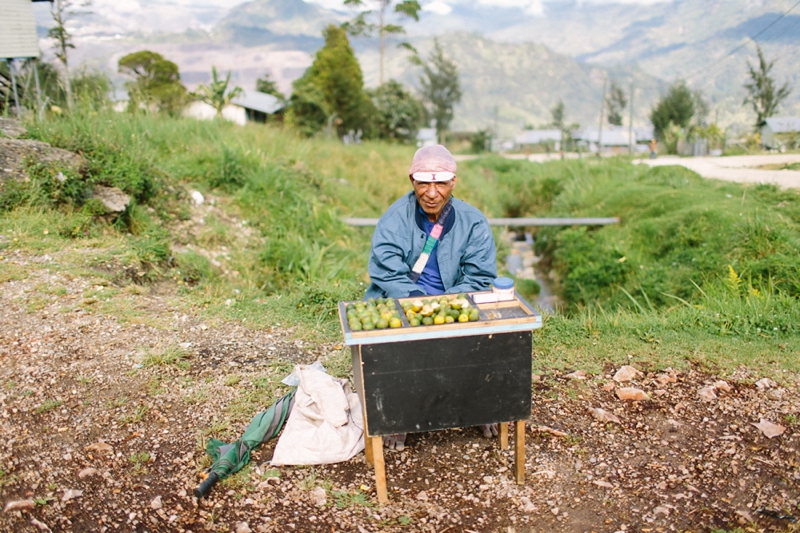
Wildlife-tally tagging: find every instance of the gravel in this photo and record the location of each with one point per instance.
(100, 435)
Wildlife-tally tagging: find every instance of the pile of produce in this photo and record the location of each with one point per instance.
(373, 314)
(443, 310)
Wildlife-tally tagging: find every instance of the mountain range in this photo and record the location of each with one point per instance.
(515, 62)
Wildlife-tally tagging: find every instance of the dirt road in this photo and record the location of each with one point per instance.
(742, 169)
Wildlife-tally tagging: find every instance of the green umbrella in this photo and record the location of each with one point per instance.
(230, 458)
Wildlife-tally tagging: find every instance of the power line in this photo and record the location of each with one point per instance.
(753, 38)
(787, 28)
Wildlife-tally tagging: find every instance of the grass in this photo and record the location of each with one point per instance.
(344, 499)
(48, 405)
(698, 272)
(138, 414)
(172, 355)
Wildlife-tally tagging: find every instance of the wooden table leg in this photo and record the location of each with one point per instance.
(380, 468)
(503, 436)
(368, 450)
(519, 451)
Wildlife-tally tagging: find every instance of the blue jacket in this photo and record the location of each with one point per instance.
(465, 251)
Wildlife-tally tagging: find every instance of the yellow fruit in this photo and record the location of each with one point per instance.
(449, 319)
(463, 317)
(416, 305)
(426, 310)
(439, 319)
(395, 323)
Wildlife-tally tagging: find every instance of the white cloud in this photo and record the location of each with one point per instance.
(438, 7)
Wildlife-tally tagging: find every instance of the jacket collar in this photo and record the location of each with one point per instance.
(419, 216)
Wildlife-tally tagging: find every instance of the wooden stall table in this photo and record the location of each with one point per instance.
(430, 377)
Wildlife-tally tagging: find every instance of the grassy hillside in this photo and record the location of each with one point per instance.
(698, 271)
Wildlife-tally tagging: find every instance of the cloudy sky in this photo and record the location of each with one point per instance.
(175, 16)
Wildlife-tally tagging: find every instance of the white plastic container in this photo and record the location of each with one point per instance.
(504, 288)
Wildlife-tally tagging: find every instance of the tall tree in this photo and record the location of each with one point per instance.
(440, 87)
(559, 115)
(63, 11)
(266, 85)
(398, 113)
(331, 91)
(216, 94)
(761, 92)
(155, 81)
(616, 102)
(676, 107)
(360, 26)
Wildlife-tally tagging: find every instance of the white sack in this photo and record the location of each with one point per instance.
(325, 425)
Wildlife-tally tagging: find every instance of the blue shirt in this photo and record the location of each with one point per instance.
(431, 280)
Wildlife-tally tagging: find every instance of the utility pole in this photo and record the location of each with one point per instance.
(494, 133)
(630, 123)
(602, 110)
(384, 3)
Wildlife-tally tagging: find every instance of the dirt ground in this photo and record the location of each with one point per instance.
(105, 416)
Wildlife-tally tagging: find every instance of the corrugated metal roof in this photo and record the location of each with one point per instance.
(18, 36)
(258, 101)
(611, 137)
(783, 124)
(537, 136)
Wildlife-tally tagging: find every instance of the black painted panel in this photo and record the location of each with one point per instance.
(445, 383)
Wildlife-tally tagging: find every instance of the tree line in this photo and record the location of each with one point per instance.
(330, 97)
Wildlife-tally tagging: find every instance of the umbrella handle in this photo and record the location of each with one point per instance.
(206, 486)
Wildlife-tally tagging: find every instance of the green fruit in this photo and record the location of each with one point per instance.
(413, 322)
(355, 327)
(382, 323)
(427, 320)
(473, 315)
(368, 326)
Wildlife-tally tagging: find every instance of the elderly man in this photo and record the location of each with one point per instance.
(429, 243)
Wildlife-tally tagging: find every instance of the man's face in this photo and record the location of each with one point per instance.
(432, 196)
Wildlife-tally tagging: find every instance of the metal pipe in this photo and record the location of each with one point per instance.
(10, 63)
(38, 88)
(513, 222)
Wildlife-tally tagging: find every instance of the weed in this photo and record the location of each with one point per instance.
(139, 459)
(5, 479)
(154, 386)
(240, 480)
(116, 402)
(137, 416)
(43, 501)
(48, 405)
(173, 355)
(196, 396)
(270, 472)
(232, 380)
(84, 379)
(791, 419)
(344, 500)
(36, 303)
